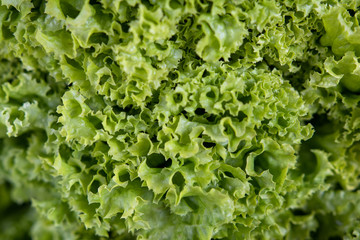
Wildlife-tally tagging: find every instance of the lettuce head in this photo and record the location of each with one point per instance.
(179, 119)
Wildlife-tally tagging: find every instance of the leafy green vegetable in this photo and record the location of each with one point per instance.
(179, 119)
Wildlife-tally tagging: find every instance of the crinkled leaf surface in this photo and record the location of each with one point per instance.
(179, 119)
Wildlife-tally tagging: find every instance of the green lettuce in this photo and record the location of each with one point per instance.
(179, 119)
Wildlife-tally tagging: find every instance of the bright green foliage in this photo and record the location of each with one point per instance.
(179, 119)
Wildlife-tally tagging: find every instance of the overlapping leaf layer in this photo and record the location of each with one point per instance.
(179, 119)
